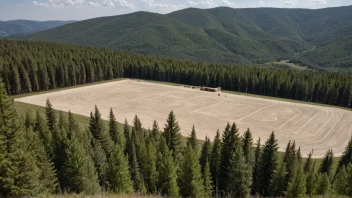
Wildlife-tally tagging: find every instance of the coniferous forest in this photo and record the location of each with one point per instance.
(28, 66)
(53, 154)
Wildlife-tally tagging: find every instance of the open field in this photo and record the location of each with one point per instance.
(313, 127)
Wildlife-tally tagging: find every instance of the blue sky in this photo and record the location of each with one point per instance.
(84, 9)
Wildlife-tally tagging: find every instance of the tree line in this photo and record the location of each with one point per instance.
(54, 154)
(28, 66)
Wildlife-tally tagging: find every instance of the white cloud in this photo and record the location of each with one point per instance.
(74, 3)
(289, 2)
(318, 1)
(226, 3)
(152, 4)
(201, 3)
(261, 3)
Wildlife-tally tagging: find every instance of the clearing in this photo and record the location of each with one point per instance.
(311, 126)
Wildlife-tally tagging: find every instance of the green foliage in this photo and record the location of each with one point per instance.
(208, 183)
(256, 170)
(167, 177)
(230, 143)
(216, 35)
(172, 134)
(215, 161)
(278, 184)
(79, 170)
(297, 186)
(190, 179)
(192, 139)
(240, 175)
(327, 162)
(267, 165)
(318, 87)
(118, 174)
(247, 146)
(205, 154)
(114, 132)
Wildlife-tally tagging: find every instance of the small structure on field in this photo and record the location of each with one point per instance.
(211, 89)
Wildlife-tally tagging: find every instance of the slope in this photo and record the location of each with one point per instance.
(22, 27)
(336, 55)
(220, 35)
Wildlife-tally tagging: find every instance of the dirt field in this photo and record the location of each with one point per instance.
(312, 127)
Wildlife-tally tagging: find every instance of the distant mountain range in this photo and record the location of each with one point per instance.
(23, 27)
(221, 35)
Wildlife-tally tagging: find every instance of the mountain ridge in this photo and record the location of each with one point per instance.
(219, 35)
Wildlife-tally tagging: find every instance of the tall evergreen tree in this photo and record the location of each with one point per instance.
(324, 186)
(155, 130)
(114, 133)
(297, 185)
(190, 179)
(167, 177)
(256, 169)
(135, 171)
(308, 163)
(240, 175)
(208, 183)
(118, 174)
(79, 170)
(341, 181)
(205, 154)
(192, 139)
(172, 134)
(267, 165)
(326, 164)
(215, 161)
(230, 142)
(278, 183)
(346, 156)
(247, 146)
(51, 120)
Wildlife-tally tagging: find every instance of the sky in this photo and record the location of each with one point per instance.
(43, 10)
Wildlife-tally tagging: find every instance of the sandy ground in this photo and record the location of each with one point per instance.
(312, 127)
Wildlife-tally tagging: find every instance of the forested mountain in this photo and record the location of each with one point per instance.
(218, 35)
(27, 66)
(335, 56)
(24, 27)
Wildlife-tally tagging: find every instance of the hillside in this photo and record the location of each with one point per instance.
(23, 27)
(337, 56)
(219, 35)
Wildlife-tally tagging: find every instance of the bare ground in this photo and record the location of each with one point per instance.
(312, 127)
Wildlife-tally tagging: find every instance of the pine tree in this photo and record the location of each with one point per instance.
(79, 170)
(256, 170)
(100, 160)
(308, 163)
(167, 177)
(190, 179)
(208, 183)
(205, 154)
(267, 165)
(137, 124)
(341, 181)
(324, 186)
(172, 134)
(118, 174)
(155, 131)
(72, 126)
(97, 129)
(19, 174)
(45, 135)
(135, 171)
(151, 172)
(247, 146)
(349, 180)
(327, 162)
(215, 161)
(278, 183)
(312, 181)
(230, 142)
(115, 135)
(297, 186)
(127, 135)
(240, 175)
(346, 156)
(192, 139)
(51, 120)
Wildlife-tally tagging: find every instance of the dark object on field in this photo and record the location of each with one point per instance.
(210, 89)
